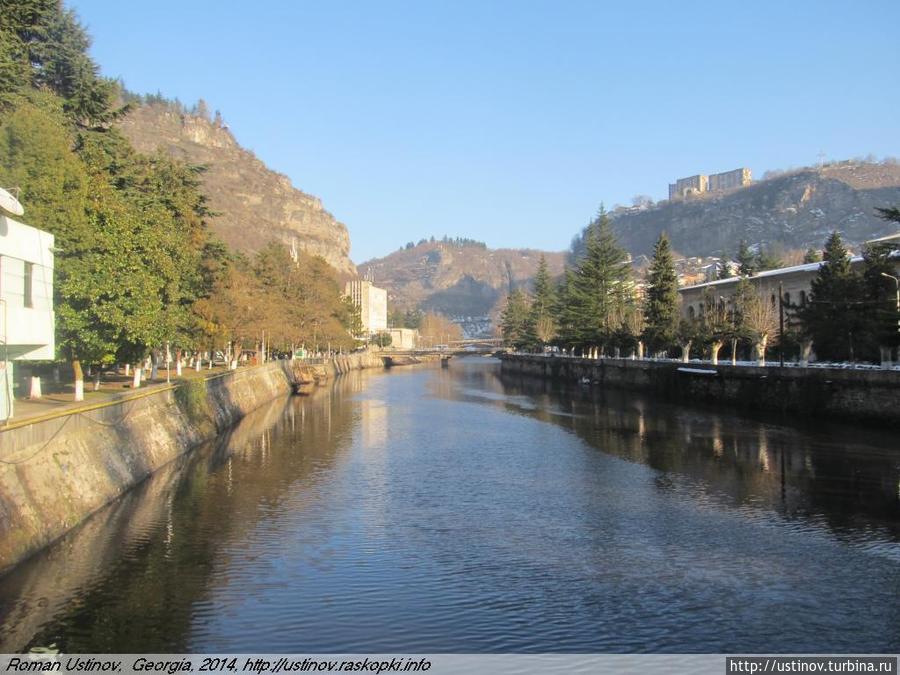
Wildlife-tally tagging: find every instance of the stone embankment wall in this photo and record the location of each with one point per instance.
(854, 395)
(56, 472)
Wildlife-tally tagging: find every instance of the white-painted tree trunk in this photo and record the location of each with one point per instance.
(178, 368)
(35, 392)
(686, 352)
(136, 380)
(640, 349)
(760, 346)
(97, 381)
(127, 369)
(79, 390)
(198, 364)
(714, 348)
(734, 352)
(805, 351)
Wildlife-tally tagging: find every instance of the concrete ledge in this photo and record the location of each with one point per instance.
(871, 396)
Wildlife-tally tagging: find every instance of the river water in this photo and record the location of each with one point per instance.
(429, 510)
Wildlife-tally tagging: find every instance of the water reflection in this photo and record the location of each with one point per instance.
(431, 510)
(154, 551)
(841, 476)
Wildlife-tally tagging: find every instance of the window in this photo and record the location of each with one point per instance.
(787, 298)
(29, 285)
(802, 298)
(691, 312)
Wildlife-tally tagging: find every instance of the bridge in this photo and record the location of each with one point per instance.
(465, 346)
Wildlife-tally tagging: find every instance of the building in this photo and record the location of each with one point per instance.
(372, 304)
(729, 180)
(794, 281)
(717, 182)
(689, 186)
(404, 338)
(27, 321)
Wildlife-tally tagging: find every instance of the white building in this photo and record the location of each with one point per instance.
(404, 338)
(26, 302)
(372, 304)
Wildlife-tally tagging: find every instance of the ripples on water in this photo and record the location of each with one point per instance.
(433, 510)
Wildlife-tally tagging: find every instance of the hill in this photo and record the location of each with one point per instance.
(253, 203)
(457, 280)
(791, 211)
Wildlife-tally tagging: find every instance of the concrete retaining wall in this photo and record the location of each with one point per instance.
(55, 473)
(855, 395)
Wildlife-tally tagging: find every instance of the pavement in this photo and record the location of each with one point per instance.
(58, 399)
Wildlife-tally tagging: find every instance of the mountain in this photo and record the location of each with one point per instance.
(455, 279)
(253, 203)
(794, 210)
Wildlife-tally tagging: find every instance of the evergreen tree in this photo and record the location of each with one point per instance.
(602, 287)
(543, 301)
(811, 256)
(746, 259)
(661, 298)
(514, 322)
(831, 317)
(879, 322)
(565, 315)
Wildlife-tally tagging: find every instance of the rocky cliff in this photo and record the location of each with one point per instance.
(253, 203)
(795, 210)
(455, 280)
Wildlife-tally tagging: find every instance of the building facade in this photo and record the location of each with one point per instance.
(404, 338)
(717, 182)
(372, 304)
(27, 322)
(795, 282)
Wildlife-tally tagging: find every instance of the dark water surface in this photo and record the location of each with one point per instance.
(431, 510)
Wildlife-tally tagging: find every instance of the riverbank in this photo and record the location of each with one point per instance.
(58, 469)
(849, 395)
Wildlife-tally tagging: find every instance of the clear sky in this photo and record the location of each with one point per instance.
(509, 122)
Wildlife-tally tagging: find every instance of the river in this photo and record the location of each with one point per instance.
(432, 510)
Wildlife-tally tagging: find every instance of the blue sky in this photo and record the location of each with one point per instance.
(509, 122)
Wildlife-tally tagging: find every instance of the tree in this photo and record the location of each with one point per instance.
(830, 318)
(746, 259)
(543, 302)
(437, 329)
(515, 322)
(769, 258)
(812, 256)
(759, 319)
(715, 326)
(382, 340)
(601, 287)
(879, 320)
(661, 298)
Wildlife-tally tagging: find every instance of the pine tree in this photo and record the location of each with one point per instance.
(831, 317)
(747, 261)
(602, 286)
(514, 322)
(811, 256)
(543, 302)
(661, 300)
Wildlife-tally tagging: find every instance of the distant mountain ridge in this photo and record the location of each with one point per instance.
(254, 204)
(795, 210)
(457, 280)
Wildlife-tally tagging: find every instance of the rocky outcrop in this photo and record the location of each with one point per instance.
(253, 204)
(796, 210)
(454, 280)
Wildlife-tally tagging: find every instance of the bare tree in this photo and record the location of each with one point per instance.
(760, 320)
